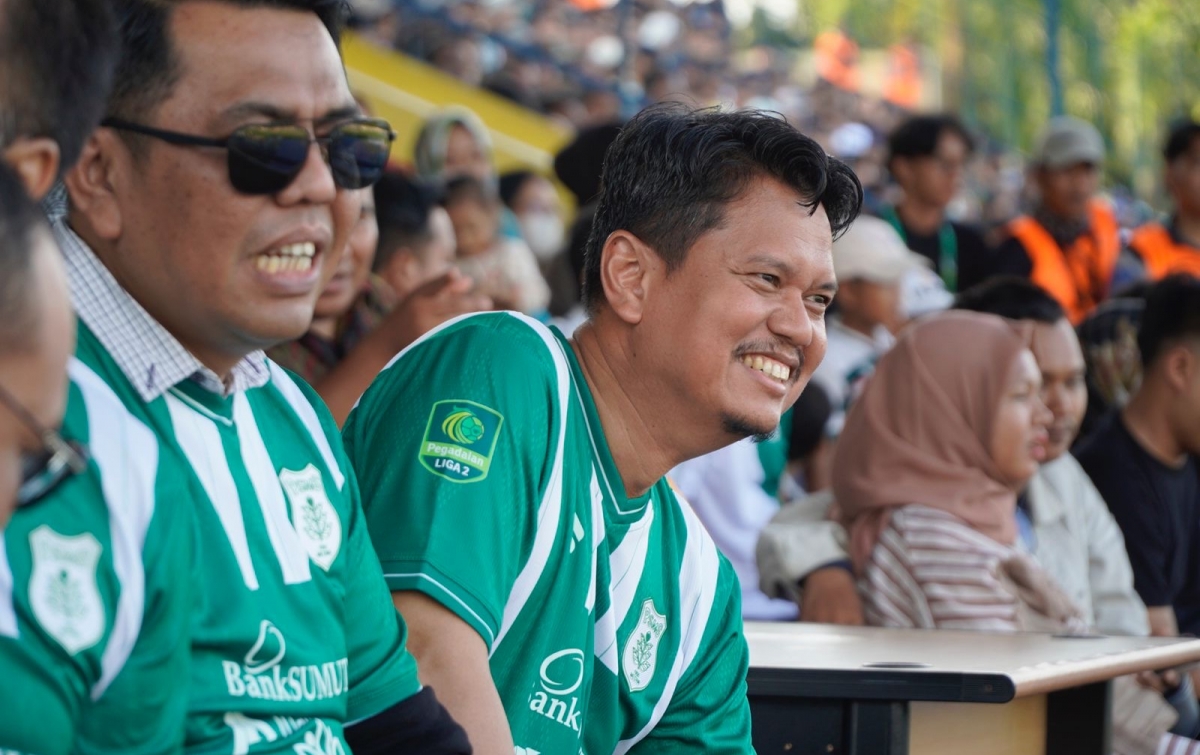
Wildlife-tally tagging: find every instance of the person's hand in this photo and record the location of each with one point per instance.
(432, 304)
(831, 597)
(1162, 682)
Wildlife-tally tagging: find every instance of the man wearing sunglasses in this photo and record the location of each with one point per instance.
(203, 221)
(94, 596)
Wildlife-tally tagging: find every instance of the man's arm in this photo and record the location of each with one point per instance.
(419, 312)
(453, 660)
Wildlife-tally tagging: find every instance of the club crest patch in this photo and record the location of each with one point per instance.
(641, 649)
(314, 517)
(460, 440)
(63, 591)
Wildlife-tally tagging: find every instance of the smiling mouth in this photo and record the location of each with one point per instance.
(290, 258)
(769, 367)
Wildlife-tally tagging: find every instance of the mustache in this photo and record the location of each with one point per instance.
(782, 352)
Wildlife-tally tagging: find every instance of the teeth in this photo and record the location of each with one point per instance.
(292, 258)
(767, 366)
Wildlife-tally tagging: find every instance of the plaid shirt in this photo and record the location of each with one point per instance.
(150, 357)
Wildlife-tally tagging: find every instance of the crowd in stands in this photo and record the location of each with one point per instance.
(302, 388)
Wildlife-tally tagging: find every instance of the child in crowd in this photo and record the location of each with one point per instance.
(502, 268)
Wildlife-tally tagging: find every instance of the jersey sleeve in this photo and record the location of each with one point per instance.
(452, 446)
(381, 671)
(144, 709)
(710, 712)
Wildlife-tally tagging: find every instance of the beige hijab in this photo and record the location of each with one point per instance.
(921, 432)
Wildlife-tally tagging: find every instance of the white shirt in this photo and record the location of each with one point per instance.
(725, 490)
(849, 357)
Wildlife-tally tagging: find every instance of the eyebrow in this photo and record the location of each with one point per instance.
(276, 113)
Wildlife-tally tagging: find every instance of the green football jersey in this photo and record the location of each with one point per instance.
(95, 596)
(613, 624)
(293, 631)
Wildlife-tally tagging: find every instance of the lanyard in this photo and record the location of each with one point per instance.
(947, 247)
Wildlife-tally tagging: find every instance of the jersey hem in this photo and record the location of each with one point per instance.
(421, 577)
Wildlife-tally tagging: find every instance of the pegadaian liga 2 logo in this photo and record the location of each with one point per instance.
(460, 439)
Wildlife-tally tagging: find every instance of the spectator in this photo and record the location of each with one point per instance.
(1070, 244)
(184, 262)
(70, 684)
(1175, 247)
(1114, 366)
(1143, 460)
(509, 448)
(927, 155)
(452, 143)
(533, 199)
(416, 237)
(503, 268)
(808, 447)
(871, 262)
(1065, 523)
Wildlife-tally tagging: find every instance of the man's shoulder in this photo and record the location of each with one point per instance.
(506, 339)
(1106, 446)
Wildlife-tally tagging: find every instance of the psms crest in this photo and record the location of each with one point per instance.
(641, 649)
(314, 517)
(63, 592)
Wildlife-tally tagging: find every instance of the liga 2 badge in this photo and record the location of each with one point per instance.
(460, 440)
(314, 517)
(63, 591)
(641, 649)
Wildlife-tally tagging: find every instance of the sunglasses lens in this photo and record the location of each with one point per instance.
(265, 159)
(358, 153)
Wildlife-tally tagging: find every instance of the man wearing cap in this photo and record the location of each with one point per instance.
(871, 263)
(1174, 247)
(1069, 245)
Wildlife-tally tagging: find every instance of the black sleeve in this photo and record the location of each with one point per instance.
(417, 725)
(976, 259)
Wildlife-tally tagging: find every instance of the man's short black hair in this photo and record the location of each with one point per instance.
(511, 183)
(1172, 313)
(468, 189)
(402, 208)
(149, 69)
(56, 67)
(919, 136)
(20, 222)
(671, 172)
(1012, 297)
(1180, 140)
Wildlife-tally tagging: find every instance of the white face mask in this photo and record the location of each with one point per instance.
(543, 231)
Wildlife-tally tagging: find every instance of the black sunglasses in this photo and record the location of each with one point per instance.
(44, 470)
(265, 159)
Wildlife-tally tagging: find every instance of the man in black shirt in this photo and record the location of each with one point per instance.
(926, 156)
(1143, 460)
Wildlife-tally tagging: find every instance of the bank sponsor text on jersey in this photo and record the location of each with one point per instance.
(263, 675)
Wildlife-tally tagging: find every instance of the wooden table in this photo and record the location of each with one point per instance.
(819, 690)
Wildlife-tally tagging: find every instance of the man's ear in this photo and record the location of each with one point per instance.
(627, 266)
(1180, 364)
(92, 182)
(36, 161)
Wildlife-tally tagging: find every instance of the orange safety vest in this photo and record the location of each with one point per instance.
(1162, 255)
(1078, 277)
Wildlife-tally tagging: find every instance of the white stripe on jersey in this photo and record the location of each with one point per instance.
(626, 564)
(550, 509)
(128, 463)
(8, 614)
(304, 410)
(201, 443)
(292, 556)
(598, 534)
(699, 572)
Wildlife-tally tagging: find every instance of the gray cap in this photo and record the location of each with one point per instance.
(1069, 141)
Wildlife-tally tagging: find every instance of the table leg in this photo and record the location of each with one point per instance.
(1079, 720)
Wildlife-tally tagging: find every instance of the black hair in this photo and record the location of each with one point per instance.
(402, 208)
(149, 69)
(810, 414)
(20, 221)
(919, 136)
(1180, 139)
(467, 189)
(580, 163)
(511, 183)
(1012, 297)
(1172, 313)
(57, 59)
(672, 170)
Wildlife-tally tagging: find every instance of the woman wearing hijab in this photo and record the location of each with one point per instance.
(927, 474)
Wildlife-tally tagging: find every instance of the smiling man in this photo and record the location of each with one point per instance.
(204, 220)
(559, 594)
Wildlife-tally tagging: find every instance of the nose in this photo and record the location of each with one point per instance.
(314, 184)
(1042, 416)
(792, 322)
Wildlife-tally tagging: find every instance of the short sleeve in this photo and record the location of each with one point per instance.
(710, 712)
(145, 707)
(453, 445)
(381, 671)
